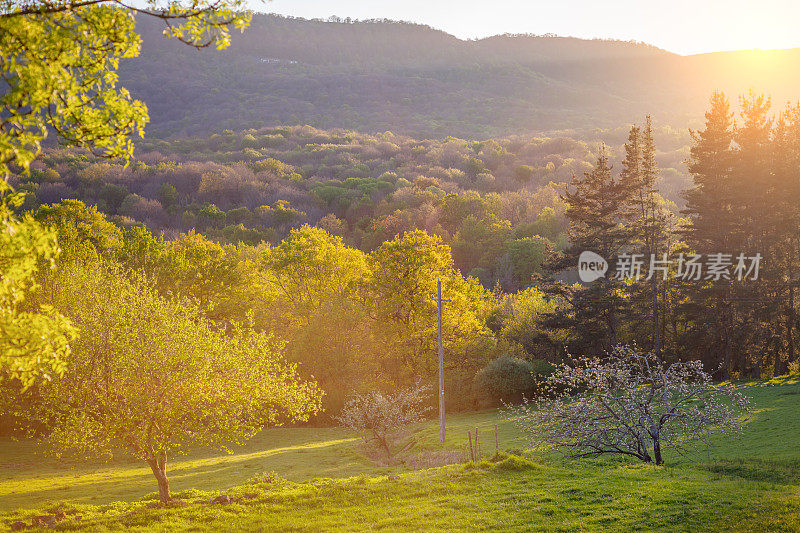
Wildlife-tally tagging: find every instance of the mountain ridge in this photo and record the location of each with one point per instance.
(409, 78)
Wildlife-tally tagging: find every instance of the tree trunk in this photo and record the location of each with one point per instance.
(383, 441)
(656, 329)
(781, 367)
(645, 454)
(657, 450)
(726, 347)
(612, 320)
(790, 327)
(158, 464)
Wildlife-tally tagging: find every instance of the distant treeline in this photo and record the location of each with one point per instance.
(495, 202)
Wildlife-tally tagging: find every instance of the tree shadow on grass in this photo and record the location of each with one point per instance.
(297, 462)
(781, 472)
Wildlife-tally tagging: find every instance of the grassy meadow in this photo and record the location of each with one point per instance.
(314, 479)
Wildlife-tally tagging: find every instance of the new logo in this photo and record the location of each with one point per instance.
(591, 266)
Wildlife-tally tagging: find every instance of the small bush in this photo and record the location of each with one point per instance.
(382, 421)
(513, 463)
(508, 379)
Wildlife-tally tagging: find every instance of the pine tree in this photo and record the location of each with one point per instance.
(595, 212)
(648, 221)
(786, 174)
(710, 204)
(757, 230)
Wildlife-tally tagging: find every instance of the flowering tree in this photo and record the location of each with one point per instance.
(628, 404)
(381, 419)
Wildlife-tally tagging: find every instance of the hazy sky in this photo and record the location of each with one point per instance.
(682, 26)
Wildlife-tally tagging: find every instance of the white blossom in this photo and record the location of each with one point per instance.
(630, 403)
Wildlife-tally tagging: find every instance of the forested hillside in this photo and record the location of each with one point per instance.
(486, 199)
(410, 79)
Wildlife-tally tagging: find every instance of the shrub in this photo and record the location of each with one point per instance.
(508, 379)
(382, 420)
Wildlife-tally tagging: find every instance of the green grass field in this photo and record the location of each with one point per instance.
(748, 484)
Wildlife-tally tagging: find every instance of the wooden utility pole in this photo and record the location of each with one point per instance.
(439, 302)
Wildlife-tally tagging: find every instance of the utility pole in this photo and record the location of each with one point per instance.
(439, 302)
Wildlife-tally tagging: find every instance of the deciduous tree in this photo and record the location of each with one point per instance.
(59, 61)
(34, 338)
(151, 377)
(404, 276)
(630, 403)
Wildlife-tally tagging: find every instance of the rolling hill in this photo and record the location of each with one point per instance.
(375, 76)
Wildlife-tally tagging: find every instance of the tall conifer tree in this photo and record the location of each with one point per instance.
(595, 203)
(711, 206)
(786, 176)
(756, 230)
(648, 221)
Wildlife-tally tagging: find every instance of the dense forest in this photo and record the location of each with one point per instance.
(486, 199)
(374, 76)
(331, 240)
(208, 235)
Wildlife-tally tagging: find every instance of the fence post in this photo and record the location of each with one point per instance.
(471, 450)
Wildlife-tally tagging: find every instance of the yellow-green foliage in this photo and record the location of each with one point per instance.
(150, 376)
(357, 321)
(350, 320)
(34, 339)
(59, 61)
(405, 271)
(316, 290)
(524, 313)
(80, 229)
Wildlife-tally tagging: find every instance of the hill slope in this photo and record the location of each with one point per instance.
(382, 75)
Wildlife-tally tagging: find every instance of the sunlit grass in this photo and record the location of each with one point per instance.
(747, 484)
(29, 478)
